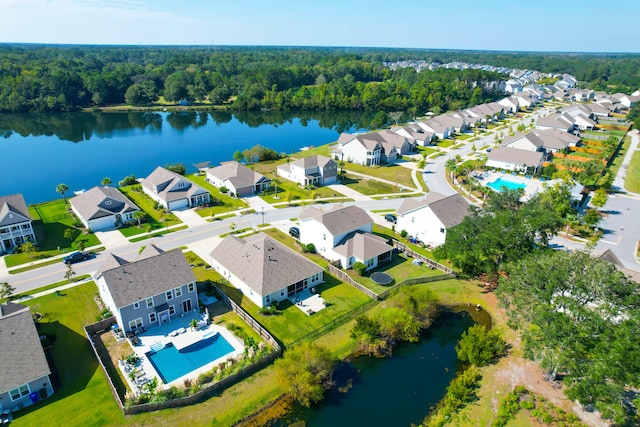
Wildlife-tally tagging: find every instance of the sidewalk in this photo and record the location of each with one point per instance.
(190, 217)
(618, 181)
(353, 194)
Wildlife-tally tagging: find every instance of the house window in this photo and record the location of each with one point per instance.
(152, 317)
(169, 295)
(135, 324)
(442, 230)
(324, 236)
(177, 292)
(172, 310)
(149, 302)
(267, 299)
(136, 305)
(412, 219)
(191, 287)
(19, 392)
(282, 292)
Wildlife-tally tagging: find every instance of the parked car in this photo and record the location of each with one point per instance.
(391, 218)
(294, 232)
(76, 257)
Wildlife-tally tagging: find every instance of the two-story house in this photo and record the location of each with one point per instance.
(102, 208)
(314, 170)
(24, 370)
(15, 222)
(430, 218)
(356, 149)
(344, 234)
(264, 269)
(150, 290)
(173, 191)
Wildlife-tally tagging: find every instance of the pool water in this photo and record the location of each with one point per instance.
(501, 182)
(171, 363)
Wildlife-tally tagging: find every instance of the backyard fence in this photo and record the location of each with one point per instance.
(415, 281)
(431, 263)
(342, 275)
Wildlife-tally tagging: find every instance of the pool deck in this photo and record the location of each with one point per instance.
(533, 185)
(179, 333)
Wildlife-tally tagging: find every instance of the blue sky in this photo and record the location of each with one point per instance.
(535, 25)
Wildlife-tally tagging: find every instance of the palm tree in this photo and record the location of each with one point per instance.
(139, 216)
(62, 188)
(106, 181)
(450, 165)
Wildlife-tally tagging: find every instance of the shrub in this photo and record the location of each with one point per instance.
(404, 234)
(359, 268)
(128, 180)
(478, 346)
(310, 248)
(268, 310)
(224, 190)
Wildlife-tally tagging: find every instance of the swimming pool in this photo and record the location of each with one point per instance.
(501, 182)
(171, 363)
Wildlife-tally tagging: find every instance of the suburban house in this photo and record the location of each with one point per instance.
(173, 191)
(416, 133)
(514, 159)
(510, 104)
(238, 179)
(15, 222)
(102, 208)
(629, 100)
(455, 123)
(526, 99)
(344, 234)
(314, 170)
(357, 149)
(24, 370)
(547, 140)
(429, 219)
(486, 112)
(436, 128)
(556, 121)
(150, 290)
(512, 86)
(264, 269)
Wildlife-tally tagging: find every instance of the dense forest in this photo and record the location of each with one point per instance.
(52, 78)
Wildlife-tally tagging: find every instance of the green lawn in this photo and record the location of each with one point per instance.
(426, 151)
(228, 203)
(400, 268)
(392, 172)
(444, 143)
(369, 187)
(632, 180)
(50, 220)
(157, 219)
(289, 191)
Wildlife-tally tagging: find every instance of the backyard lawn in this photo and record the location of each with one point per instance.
(50, 221)
(392, 172)
(400, 268)
(228, 203)
(156, 218)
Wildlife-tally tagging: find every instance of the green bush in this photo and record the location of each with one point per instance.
(478, 346)
(359, 268)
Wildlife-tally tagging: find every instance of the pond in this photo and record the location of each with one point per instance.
(398, 391)
(40, 151)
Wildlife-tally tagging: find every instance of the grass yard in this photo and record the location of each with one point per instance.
(444, 143)
(427, 151)
(632, 179)
(50, 221)
(392, 172)
(157, 219)
(228, 203)
(400, 268)
(289, 191)
(291, 323)
(369, 187)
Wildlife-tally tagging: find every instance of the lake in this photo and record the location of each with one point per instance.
(40, 151)
(397, 391)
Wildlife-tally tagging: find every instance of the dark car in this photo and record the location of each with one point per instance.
(76, 257)
(391, 218)
(294, 232)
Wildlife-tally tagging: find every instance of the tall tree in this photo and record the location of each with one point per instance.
(62, 189)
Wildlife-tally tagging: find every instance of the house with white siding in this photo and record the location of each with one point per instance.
(429, 219)
(265, 270)
(15, 223)
(102, 208)
(358, 149)
(174, 191)
(514, 159)
(313, 170)
(238, 179)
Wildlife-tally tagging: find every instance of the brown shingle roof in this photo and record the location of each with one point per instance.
(261, 262)
(362, 245)
(450, 210)
(238, 174)
(164, 183)
(22, 358)
(516, 156)
(147, 277)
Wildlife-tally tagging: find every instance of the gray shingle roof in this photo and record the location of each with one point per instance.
(263, 263)
(22, 358)
(516, 156)
(165, 184)
(340, 219)
(13, 210)
(450, 210)
(312, 161)
(147, 277)
(102, 201)
(239, 175)
(362, 245)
